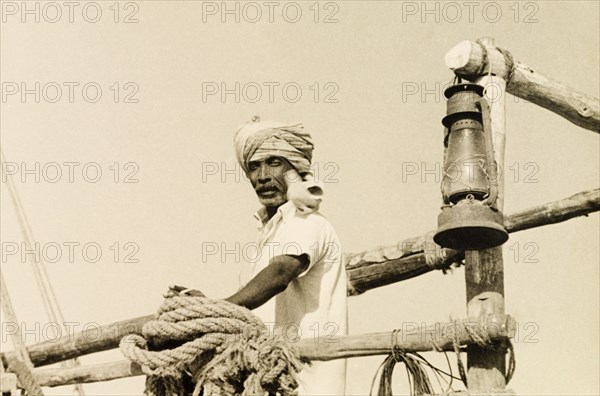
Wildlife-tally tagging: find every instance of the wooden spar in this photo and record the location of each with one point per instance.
(389, 264)
(371, 275)
(580, 204)
(96, 339)
(366, 270)
(468, 60)
(484, 269)
(86, 374)
(410, 337)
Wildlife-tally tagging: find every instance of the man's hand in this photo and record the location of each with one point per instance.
(175, 290)
(305, 194)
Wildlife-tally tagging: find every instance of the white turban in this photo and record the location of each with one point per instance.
(255, 141)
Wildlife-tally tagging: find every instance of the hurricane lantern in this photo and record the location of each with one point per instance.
(469, 219)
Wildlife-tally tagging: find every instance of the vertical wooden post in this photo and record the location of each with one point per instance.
(484, 272)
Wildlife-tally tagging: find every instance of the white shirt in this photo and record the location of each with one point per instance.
(314, 304)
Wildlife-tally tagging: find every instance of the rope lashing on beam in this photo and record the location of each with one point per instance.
(510, 63)
(211, 346)
(484, 58)
(436, 256)
(482, 340)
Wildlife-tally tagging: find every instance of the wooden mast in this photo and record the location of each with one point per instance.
(484, 270)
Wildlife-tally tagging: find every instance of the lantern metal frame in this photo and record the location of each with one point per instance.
(469, 219)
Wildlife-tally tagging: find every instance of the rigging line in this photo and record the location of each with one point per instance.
(436, 368)
(49, 298)
(9, 311)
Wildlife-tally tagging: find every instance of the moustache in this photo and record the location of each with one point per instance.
(267, 188)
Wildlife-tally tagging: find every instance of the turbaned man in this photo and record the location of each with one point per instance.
(296, 280)
(299, 259)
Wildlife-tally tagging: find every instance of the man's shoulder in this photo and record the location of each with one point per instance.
(314, 223)
(315, 218)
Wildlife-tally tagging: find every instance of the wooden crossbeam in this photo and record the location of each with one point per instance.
(469, 60)
(410, 337)
(406, 259)
(366, 270)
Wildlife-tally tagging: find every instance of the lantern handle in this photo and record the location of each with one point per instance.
(492, 172)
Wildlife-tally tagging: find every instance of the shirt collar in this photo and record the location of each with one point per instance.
(285, 211)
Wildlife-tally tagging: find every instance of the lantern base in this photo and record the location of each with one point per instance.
(469, 225)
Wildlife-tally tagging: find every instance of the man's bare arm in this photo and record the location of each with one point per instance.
(270, 281)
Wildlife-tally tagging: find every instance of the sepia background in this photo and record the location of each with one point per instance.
(160, 87)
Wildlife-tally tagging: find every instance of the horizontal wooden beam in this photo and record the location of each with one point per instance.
(366, 270)
(580, 204)
(85, 374)
(470, 60)
(406, 259)
(410, 337)
(97, 339)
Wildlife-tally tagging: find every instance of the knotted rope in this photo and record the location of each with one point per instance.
(484, 58)
(211, 346)
(483, 341)
(436, 256)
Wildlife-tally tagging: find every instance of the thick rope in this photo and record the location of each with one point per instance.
(484, 58)
(436, 256)
(510, 64)
(211, 346)
(26, 379)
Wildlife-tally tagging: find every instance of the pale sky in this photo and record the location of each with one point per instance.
(357, 77)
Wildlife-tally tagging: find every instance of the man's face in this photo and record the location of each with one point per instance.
(267, 178)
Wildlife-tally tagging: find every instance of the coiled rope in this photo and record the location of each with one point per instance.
(211, 346)
(419, 383)
(418, 378)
